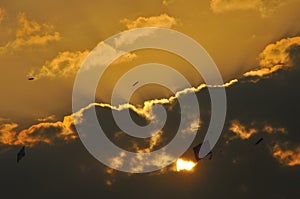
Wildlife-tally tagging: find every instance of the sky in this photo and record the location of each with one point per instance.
(255, 45)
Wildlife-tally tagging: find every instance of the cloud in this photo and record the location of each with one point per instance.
(275, 57)
(193, 127)
(127, 57)
(142, 160)
(65, 64)
(161, 21)
(155, 139)
(45, 132)
(244, 133)
(109, 182)
(287, 157)
(30, 33)
(241, 131)
(2, 14)
(269, 129)
(48, 118)
(265, 7)
(7, 133)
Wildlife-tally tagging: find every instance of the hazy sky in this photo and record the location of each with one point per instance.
(254, 43)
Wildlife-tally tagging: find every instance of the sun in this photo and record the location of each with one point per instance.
(184, 165)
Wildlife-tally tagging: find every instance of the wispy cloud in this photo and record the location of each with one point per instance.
(161, 21)
(265, 7)
(48, 118)
(245, 132)
(193, 127)
(241, 131)
(270, 129)
(287, 157)
(65, 64)
(30, 33)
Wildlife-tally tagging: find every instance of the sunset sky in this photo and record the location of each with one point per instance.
(254, 43)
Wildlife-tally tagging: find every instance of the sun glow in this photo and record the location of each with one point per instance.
(183, 165)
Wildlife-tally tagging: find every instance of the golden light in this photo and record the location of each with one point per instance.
(183, 165)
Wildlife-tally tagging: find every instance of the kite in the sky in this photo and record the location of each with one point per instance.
(196, 150)
(21, 154)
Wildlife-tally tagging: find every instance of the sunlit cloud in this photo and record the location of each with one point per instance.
(155, 140)
(266, 8)
(108, 182)
(30, 33)
(118, 161)
(47, 119)
(65, 64)
(225, 85)
(287, 157)
(161, 21)
(241, 131)
(269, 129)
(127, 57)
(139, 162)
(7, 133)
(44, 132)
(275, 57)
(193, 127)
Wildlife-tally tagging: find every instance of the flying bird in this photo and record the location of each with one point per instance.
(259, 141)
(21, 154)
(135, 83)
(31, 78)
